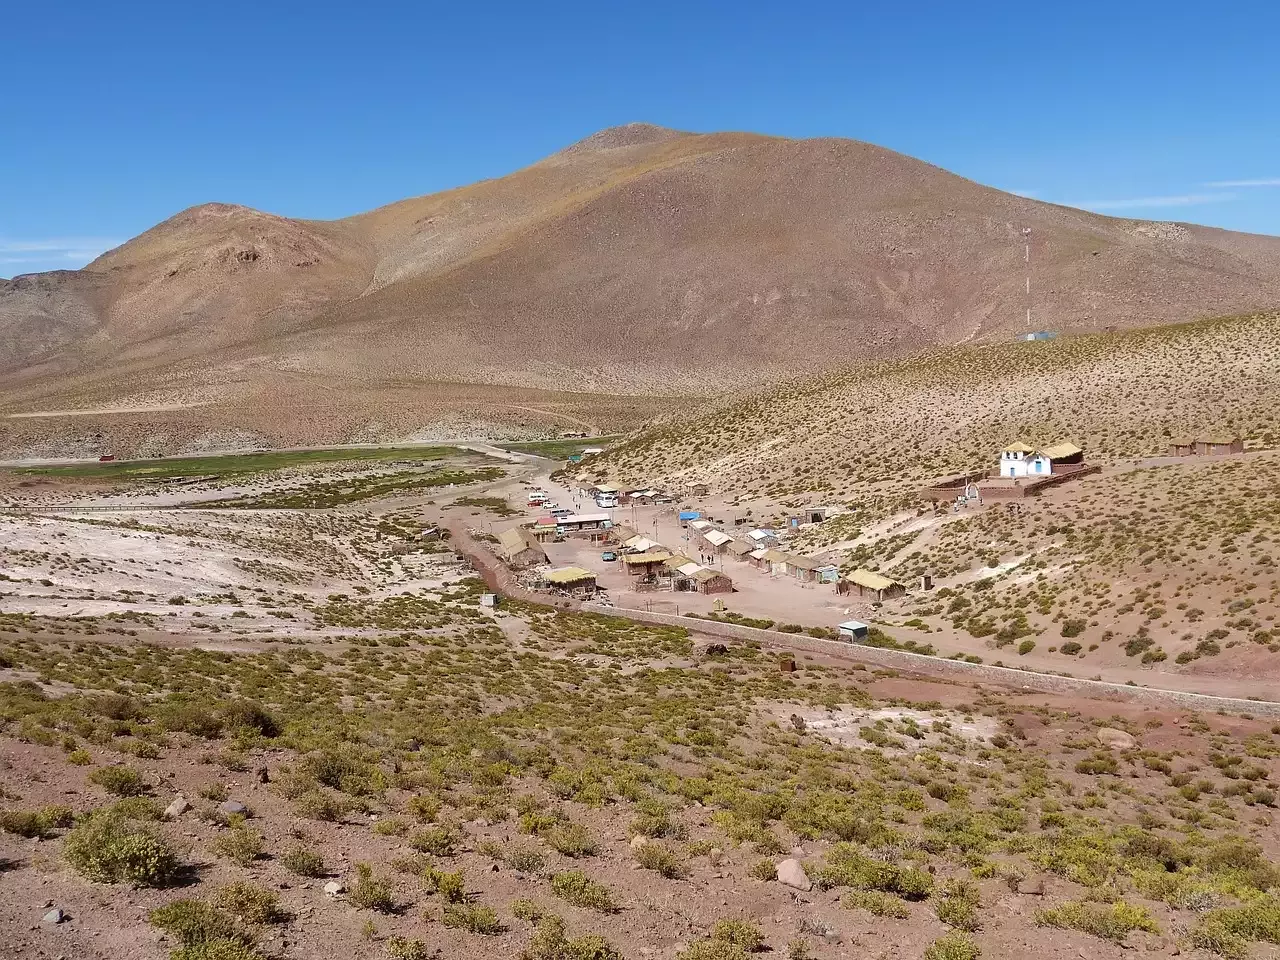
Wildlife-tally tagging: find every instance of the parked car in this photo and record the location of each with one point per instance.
(559, 512)
(609, 556)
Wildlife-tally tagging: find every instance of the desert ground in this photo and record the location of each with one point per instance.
(252, 706)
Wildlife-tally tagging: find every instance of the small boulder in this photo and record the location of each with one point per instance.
(639, 841)
(54, 917)
(176, 809)
(1117, 739)
(791, 874)
(334, 889)
(233, 807)
(1033, 887)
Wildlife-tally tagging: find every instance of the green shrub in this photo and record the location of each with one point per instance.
(876, 903)
(36, 823)
(249, 715)
(959, 906)
(449, 886)
(954, 946)
(437, 841)
(525, 909)
(216, 950)
(121, 781)
(370, 892)
(764, 869)
(240, 845)
(193, 922)
(249, 903)
(1229, 931)
(740, 933)
(525, 860)
(402, 948)
(1112, 921)
(321, 805)
(109, 848)
(581, 891)
(658, 858)
(571, 839)
(550, 943)
(303, 862)
(473, 918)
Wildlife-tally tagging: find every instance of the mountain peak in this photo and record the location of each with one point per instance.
(625, 135)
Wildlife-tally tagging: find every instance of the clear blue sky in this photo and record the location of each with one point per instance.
(117, 115)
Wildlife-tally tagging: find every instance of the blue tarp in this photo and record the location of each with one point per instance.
(690, 515)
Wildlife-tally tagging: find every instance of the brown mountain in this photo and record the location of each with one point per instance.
(640, 261)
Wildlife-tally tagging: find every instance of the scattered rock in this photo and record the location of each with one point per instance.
(334, 889)
(791, 874)
(1033, 887)
(233, 807)
(638, 841)
(263, 775)
(54, 916)
(176, 809)
(1111, 737)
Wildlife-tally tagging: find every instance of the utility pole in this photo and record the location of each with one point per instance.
(1026, 258)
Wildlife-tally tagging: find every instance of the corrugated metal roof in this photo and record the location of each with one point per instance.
(689, 568)
(717, 538)
(738, 548)
(759, 554)
(699, 524)
(584, 518)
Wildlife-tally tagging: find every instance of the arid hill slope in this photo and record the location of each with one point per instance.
(639, 261)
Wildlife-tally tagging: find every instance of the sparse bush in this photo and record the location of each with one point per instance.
(876, 903)
(402, 948)
(764, 869)
(370, 892)
(473, 919)
(120, 781)
(36, 823)
(249, 903)
(571, 839)
(193, 923)
(1111, 922)
(240, 845)
(437, 841)
(954, 946)
(525, 860)
(660, 859)
(108, 848)
(303, 862)
(580, 890)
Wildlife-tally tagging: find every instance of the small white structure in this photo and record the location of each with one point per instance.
(489, 600)
(852, 630)
(1020, 460)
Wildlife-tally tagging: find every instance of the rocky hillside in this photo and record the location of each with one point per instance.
(641, 261)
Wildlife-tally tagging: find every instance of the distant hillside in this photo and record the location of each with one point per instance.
(885, 428)
(640, 261)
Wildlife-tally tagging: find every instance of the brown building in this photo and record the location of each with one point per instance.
(866, 582)
(1206, 446)
(712, 581)
(520, 548)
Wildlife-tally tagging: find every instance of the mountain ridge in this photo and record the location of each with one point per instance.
(639, 261)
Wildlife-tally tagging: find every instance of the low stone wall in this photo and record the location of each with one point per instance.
(959, 670)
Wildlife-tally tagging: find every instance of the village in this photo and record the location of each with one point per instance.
(695, 551)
